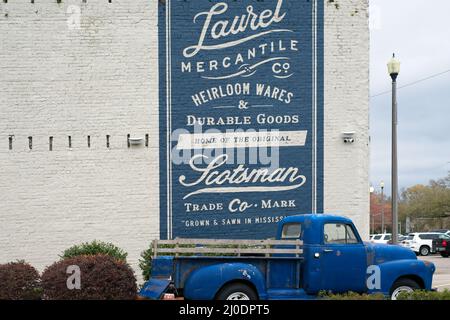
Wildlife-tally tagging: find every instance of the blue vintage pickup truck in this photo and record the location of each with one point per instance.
(312, 253)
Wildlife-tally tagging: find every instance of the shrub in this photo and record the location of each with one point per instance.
(425, 295)
(102, 278)
(95, 248)
(351, 296)
(19, 281)
(145, 263)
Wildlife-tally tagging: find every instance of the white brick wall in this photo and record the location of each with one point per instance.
(102, 79)
(99, 80)
(347, 109)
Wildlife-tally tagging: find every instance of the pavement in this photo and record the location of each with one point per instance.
(441, 279)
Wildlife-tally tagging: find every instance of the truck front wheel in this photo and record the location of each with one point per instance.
(237, 291)
(403, 286)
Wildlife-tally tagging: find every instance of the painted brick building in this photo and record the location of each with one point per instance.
(78, 78)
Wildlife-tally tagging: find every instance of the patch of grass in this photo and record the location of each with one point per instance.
(351, 296)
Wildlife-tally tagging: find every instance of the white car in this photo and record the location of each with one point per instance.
(385, 238)
(421, 243)
(381, 238)
(444, 231)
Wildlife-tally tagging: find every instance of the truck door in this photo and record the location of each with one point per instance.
(343, 262)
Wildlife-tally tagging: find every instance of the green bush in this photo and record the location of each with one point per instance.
(95, 248)
(19, 281)
(102, 277)
(351, 296)
(145, 263)
(425, 295)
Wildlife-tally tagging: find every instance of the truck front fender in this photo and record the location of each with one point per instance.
(205, 283)
(414, 269)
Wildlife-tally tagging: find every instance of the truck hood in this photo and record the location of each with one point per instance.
(380, 253)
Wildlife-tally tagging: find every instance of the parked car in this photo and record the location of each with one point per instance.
(382, 238)
(445, 231)
(442, 245)
(401, 238)
(312, 253)
(386, 238)
(421, 243)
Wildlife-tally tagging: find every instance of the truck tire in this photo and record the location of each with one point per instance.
(237, 291)
(403, 285)
(424, 250)
(444, 255)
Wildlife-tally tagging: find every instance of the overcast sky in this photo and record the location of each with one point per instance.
(418, 31)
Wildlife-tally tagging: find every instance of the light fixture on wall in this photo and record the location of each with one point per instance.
(349, 137)
(135, 141)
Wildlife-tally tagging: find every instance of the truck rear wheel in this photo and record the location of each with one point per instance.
(444, 255)
(237, 291)
(402, 286)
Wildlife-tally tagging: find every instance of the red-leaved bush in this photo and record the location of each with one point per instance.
(19, 281)
(102, 277)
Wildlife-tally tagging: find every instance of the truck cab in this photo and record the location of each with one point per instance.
(337, 260)
(333, 258)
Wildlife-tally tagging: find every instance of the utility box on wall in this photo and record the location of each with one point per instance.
(242, 109)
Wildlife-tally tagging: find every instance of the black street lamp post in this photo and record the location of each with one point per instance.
(394, 70)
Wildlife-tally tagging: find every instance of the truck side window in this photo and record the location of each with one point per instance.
(292, 231)
(335, 233)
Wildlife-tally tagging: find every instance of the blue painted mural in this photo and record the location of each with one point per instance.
(241, 115)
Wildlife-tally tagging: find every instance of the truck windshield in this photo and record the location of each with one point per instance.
(292, 231)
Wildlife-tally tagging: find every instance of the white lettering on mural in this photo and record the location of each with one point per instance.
(232, 62)
(240, 179)
(242, 89)
(221, 29)
(245, 61)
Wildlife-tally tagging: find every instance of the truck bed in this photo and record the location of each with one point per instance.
(273, 264)
(280, 272)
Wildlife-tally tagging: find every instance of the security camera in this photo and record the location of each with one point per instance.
(349, 137)
(349, 140)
